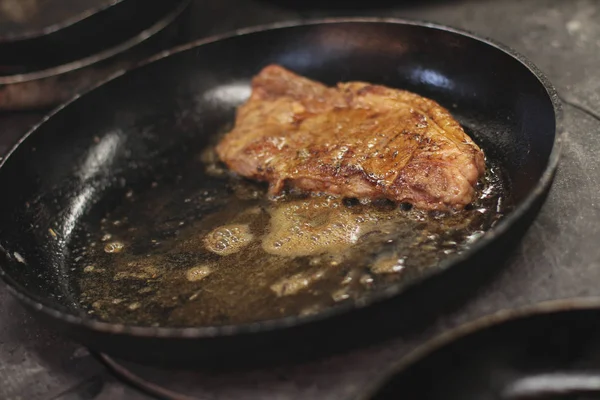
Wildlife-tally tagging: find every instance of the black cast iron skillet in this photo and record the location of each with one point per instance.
(151, 120)
(63, 47)
(546, 351)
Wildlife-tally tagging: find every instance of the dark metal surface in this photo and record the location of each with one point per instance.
(548, 351)
(29, 18)
(39, 34)
(558, 258)
(46, 71)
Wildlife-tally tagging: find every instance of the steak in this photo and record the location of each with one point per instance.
(354, 140)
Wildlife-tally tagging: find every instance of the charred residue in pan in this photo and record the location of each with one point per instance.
(207, 248)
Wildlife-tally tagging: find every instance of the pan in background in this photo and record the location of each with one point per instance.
(28, 19)
(547, 351)
(153, 120)
(53, 49)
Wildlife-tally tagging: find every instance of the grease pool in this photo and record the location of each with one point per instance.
(207, 248)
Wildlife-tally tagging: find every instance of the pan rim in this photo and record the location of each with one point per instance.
(60, 25)
(156, 27)
(200, 332)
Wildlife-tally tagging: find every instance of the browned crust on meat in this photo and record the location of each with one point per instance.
(354, 140)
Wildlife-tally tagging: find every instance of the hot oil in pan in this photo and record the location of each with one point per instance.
(211, 249)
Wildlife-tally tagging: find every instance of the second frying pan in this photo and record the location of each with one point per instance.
(52, 49)
(81, 161)
(45, 34)
(545, 351)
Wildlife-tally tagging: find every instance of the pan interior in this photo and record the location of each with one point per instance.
(126, 165)
(196, 249)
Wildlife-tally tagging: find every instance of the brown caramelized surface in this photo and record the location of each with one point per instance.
(355, 140)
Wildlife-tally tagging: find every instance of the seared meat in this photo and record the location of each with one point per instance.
(355, 140)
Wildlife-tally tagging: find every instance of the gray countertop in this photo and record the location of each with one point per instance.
(558, 258)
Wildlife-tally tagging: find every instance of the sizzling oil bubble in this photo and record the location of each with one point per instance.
(366, 280)
(315, 226)
(114, 247)
(198, 273)
(296, 283)
(228, 239)
(388, 264)
(341, 294)
(141, 270)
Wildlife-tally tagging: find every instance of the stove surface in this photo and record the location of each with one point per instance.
(558, 258)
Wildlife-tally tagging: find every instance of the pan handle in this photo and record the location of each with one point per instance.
(554, 385)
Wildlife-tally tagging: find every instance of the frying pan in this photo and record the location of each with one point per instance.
(545, 351)
(65, 46)
(72, 167)
(57, 32)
